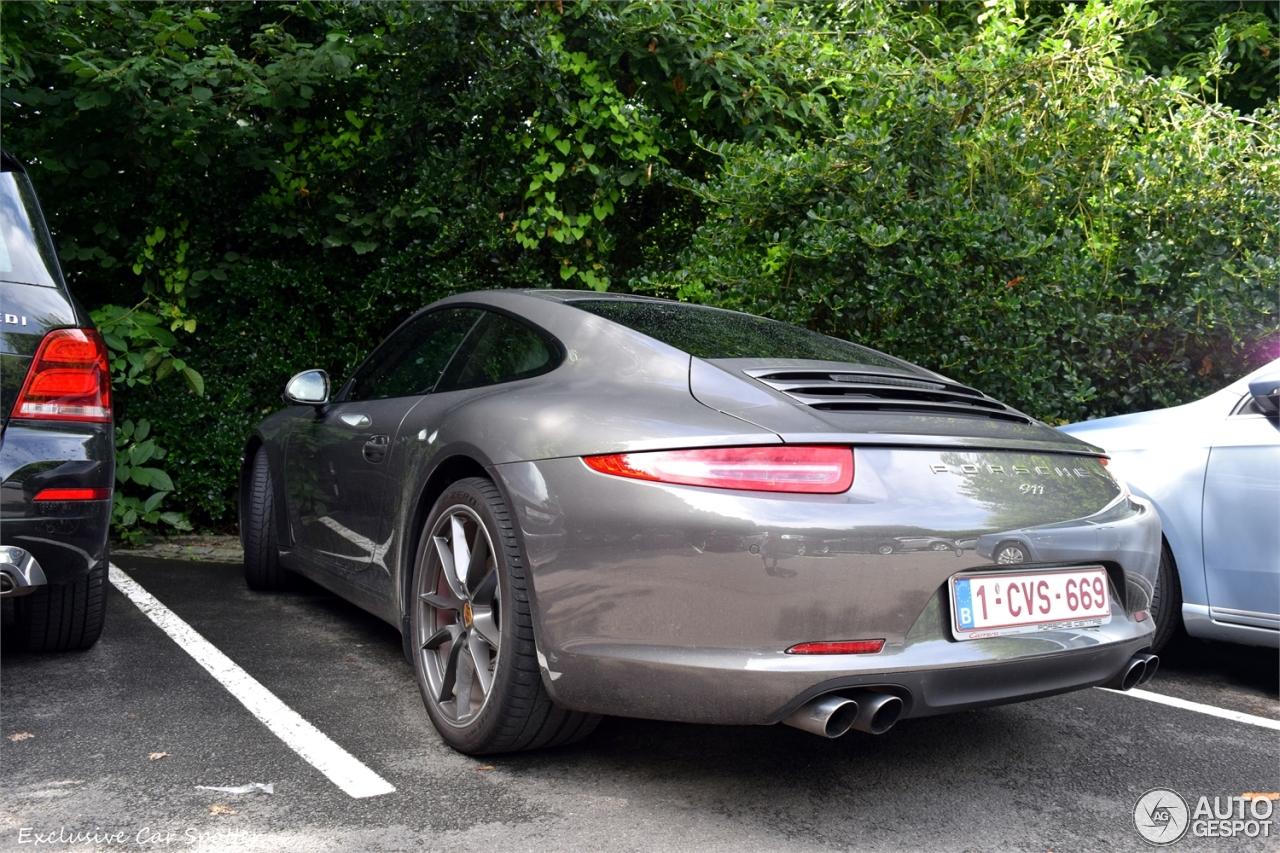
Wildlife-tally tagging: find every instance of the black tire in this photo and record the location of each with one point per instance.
(448, 632)
(1166, 601)
(1010, 554)
(63, 617)
(262, 569)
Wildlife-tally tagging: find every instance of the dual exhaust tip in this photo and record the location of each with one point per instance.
(834, 714)
(875, 713)
(1138, 670)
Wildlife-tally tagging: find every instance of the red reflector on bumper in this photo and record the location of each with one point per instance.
(843, 647)
(1141, 616)
(73, 495)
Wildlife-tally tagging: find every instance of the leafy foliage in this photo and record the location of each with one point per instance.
(142, 349)
(1015, 208)
(1055, 202)
(141, 352)
(130, 513)
(1227, 51)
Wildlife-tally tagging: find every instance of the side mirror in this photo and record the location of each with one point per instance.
(1266, 393)
(308, 388)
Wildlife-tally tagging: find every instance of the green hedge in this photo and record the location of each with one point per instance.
(1018, 209)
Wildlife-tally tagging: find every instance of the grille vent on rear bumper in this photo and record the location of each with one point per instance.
(882, 392)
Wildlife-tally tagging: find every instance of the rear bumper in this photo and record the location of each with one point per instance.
(701, 686)
(678, 603)
(66, 538)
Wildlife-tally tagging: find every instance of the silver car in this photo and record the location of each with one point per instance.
(1212, 470)
(574, 504)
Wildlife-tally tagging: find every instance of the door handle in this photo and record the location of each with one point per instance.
(375, 449)
(352, 419)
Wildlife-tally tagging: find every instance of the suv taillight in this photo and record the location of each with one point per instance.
(69, 379)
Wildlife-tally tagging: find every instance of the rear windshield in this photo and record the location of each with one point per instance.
(25, 253)
(716, 333)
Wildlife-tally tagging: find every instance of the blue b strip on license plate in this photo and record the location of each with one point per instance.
(964, 605)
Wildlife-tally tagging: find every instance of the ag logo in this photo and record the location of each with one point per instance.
(1161, 816)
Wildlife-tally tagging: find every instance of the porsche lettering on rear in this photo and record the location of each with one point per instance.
(1011, 470)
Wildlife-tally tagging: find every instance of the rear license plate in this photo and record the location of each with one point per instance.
(993, 604)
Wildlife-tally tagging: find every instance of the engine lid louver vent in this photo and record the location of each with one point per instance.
(881, 392)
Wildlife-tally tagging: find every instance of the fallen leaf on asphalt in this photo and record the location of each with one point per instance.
(217, 809)
(351, 660)
(1274, 795)
(132, 717)
(156, 755)
(21, 736)
(485, 767)
(1259, 710)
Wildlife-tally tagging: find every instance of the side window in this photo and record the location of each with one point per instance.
(410, 361)
(499, 349)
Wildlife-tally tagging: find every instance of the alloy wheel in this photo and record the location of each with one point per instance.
(459, 633)
(1011, 555)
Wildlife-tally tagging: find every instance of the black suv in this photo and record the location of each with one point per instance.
(57, 442)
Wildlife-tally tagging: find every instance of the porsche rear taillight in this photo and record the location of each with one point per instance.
(69, 379)
(810, 469)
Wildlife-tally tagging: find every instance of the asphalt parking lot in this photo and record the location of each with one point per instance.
(112, 743)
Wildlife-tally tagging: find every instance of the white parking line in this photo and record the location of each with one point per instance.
(315, 747)
(1211, 710)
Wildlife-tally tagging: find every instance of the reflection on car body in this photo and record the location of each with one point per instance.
(925, 543)
(677, 512)
(1065, 540)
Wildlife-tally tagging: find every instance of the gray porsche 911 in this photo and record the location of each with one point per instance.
(574, 504)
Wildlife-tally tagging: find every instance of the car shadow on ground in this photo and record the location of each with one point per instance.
(1252, 669)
